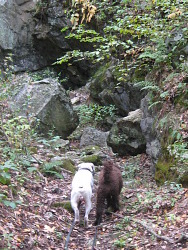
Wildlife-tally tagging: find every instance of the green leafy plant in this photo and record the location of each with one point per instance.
(38, 76)
(16, 136)
(17, 131)
(8, 237)
(8, 68)
(178, 150)
(6, 171)
(129, 171)
(120, 243)
(158, 54)
(52, 168)
(122, 26)
(95, 113)
(5, 176)
(41, 7)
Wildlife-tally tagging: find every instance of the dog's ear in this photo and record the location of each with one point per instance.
(79, 166)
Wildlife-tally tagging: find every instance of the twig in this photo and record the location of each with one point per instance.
(154, 233)
(38, 161)
(183, 237)
(65, 170)
(42, 176)
(30, 155)
(11, 195)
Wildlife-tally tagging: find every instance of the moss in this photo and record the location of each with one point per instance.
(33, 150)
(98, 80)
(100, 74)
(91, 150)
(69, 165)
(65, 204)
(95, 159)
(165, 171)
(139, 73)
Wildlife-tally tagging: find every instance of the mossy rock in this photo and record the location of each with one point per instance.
(95, 159)
(89, 150)
(33, 150)
(68, 164)
(53, 167)
(99, 78)
(65, 204)
(76, 134)
(165, 171)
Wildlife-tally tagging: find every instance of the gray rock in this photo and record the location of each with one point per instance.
(153, 146)
(126, 137)
(93, 137)
(47, 101)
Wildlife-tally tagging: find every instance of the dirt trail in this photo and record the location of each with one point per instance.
(43, 222)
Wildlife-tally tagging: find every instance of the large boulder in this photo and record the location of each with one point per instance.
(126, 137)
(47, 101)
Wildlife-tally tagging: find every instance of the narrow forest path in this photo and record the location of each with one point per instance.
(148, 214)
(125, 229)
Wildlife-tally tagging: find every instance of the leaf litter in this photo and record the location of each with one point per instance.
(151, 217)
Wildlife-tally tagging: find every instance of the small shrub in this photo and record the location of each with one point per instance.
(52, 168)
(120, 243)
(95, 114)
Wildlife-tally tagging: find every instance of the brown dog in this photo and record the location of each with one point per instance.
(110, 185)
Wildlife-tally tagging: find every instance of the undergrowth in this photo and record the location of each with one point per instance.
(151, 57)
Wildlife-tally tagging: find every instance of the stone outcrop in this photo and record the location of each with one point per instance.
(47, 101)
(31, 31)
(16, 28)
(153, 146)
(105, 89)
(126, 137)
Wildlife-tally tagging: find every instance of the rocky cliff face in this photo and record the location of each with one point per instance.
(31, 31)
(16, 28)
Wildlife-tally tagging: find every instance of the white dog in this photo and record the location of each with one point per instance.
(82, 186)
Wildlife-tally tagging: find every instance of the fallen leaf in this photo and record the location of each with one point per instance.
(49, 229)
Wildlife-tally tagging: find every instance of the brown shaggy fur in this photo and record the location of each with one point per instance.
(110, 185)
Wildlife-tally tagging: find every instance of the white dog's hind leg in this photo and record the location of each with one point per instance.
(87, 210)
(77, 216)
(76, 211)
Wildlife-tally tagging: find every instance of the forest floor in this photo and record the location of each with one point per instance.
(150, 217)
